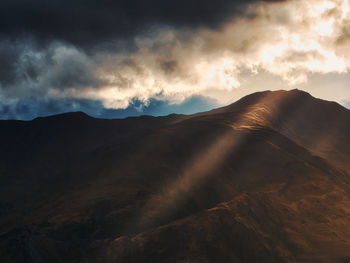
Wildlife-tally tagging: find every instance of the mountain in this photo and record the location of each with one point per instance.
(265, 179)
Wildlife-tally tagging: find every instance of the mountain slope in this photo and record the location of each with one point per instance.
(321, 126)
(264, 179)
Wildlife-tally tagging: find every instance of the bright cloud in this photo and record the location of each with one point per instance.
(289, 40)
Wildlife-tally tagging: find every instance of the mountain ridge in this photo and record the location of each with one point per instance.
(266, 175)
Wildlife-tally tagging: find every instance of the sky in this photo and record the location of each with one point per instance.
(113, 59)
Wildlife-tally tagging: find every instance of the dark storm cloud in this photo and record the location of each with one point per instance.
(88, 22)
(9, 55)
(169, 66)
(17, 62)
(56, 45)
(29, 68)
(121, 58)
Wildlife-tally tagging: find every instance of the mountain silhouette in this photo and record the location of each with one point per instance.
(265, 179)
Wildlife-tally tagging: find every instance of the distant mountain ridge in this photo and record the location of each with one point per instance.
(265, 179)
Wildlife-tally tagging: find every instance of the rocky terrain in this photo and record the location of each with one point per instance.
(265, 179)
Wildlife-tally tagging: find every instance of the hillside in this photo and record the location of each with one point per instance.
(265, 179)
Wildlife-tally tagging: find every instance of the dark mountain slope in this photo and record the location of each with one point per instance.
(254, 227)
(235, 184)
(321, 126)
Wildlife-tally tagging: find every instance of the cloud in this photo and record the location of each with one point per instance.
(30, 71)
(212, 51)
(87, 23)
(8, 58)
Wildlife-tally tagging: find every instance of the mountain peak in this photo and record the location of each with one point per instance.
(259, 178)
(273, 95)
(267, 98)
(77, 115)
